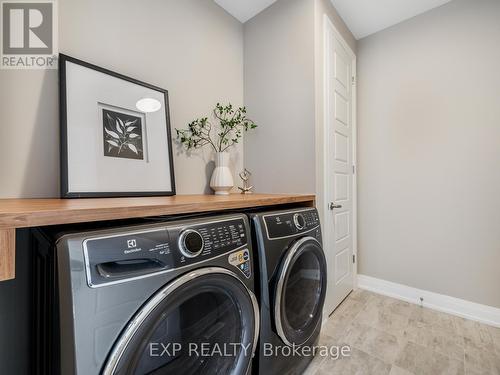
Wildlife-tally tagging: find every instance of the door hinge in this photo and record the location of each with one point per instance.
(353, 169)
(354, 258)
(353, 80)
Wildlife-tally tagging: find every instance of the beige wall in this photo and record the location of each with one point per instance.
(282, 63)
(193, 48)
(279, 94)
(429, 152)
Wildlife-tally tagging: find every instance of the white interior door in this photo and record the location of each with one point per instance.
(340, 193)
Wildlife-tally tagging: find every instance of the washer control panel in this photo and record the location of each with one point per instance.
(125, 255)
(291, 223)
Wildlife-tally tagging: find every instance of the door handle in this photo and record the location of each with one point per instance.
(333, 206)
(129, 268)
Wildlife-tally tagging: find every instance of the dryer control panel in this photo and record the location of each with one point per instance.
(128, 254)
(291, 223)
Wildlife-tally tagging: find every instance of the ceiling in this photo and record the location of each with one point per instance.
(363, 17)
(243, 10)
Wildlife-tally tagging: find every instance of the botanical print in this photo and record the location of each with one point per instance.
(122, 135)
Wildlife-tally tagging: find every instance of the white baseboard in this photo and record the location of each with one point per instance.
(440, 302)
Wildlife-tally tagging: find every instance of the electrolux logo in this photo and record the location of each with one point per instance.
(131, 244)
(29, 35)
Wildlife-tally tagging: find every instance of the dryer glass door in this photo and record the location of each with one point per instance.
(300, 291)
(205, 322)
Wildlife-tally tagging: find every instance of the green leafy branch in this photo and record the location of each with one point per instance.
(232, 123)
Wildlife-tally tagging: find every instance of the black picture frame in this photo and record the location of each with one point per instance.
(64, 149)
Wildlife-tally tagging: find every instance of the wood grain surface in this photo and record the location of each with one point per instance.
(7, 254)
(21, 213)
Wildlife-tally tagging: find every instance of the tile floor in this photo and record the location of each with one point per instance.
(388, 336)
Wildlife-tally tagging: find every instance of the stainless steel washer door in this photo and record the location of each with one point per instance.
(205, 322)
(300, 291)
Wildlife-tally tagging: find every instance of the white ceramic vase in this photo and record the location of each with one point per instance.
(222, 178)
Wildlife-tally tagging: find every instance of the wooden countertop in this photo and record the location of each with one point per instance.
(19, 213)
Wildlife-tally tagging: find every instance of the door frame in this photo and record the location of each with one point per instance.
(323, 161)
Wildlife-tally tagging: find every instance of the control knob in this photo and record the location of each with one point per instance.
(299, 221)
(190, 243)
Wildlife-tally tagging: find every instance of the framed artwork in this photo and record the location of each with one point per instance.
(115, 134)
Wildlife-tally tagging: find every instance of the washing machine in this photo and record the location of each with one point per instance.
(171, 297)
(292, 276)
